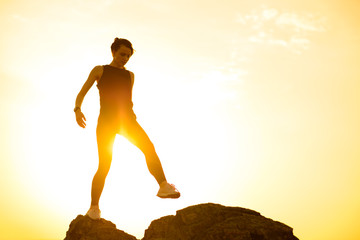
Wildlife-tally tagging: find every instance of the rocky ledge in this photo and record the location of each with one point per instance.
(200, 222)
(85, 228)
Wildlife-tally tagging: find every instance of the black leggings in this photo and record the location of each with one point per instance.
(130, 129)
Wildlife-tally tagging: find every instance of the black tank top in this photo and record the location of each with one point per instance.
(115, 93)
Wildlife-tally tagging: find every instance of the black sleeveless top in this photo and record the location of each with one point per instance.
(115, 90)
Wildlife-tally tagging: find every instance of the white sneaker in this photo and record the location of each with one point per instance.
(168, 191)
(94, 212)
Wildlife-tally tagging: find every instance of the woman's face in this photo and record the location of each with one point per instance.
(122, 55)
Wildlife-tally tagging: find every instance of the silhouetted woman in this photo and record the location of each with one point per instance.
(117, 117)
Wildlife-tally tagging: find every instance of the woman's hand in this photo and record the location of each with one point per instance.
(80, 119)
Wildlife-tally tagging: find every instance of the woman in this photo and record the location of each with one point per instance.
(117, 117)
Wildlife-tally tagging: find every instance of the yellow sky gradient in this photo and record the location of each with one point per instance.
(249, 103)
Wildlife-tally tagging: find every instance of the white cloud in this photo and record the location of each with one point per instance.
(300, 43)
(269, 13)
(278, 42)
(305, 22)
(256, 39)
(292, 30)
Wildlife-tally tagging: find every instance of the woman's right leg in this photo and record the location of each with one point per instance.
(105, 137)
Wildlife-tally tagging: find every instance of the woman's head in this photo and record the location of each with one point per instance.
(121, 50)
(118, 42)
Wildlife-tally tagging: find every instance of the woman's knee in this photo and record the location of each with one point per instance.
(149, 150)
(102, 173)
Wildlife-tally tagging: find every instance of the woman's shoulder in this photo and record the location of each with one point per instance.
(97, 71)
(98, 68)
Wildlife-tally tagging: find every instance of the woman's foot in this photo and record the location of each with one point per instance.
(94, 212)
(168, 191)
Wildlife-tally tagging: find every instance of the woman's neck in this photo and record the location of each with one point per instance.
(114, 64)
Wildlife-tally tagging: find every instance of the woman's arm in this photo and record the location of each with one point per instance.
(94, 75)
(132, 77)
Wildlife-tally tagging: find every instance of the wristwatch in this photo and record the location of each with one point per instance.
(76, 108)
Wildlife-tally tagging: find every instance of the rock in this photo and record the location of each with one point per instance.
(200, 222)
(217, 222)
(85, 228)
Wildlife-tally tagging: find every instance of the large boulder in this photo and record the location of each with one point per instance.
(217, 222)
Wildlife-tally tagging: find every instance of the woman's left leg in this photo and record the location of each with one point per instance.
(137, 136)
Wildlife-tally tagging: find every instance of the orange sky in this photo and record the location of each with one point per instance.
(249, 103)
